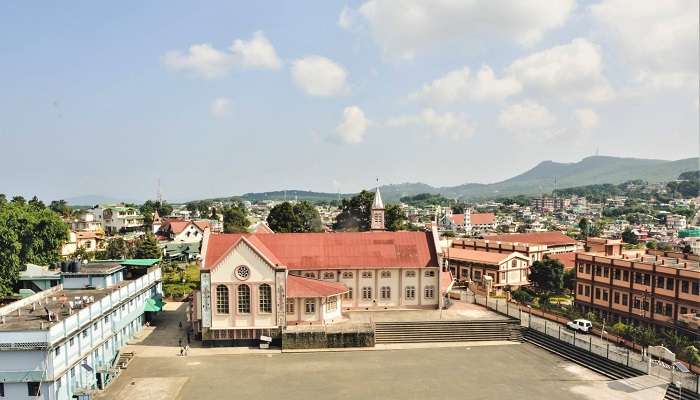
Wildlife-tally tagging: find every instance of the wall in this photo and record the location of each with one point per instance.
(322, 340)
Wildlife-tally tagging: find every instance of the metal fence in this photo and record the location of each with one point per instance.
(593, 344)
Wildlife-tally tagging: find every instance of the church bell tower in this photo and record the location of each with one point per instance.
(377, 223)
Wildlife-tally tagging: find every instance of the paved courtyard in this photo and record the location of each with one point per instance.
(485, 372)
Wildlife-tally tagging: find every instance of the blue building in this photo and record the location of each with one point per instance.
(66, 340)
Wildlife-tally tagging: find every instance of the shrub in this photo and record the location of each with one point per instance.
(521, 296)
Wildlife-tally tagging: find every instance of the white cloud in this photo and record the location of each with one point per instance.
(207, 62)
(572, 71)
(352, 126)
(404, 27)
(454, 126)
(458, 85)
(586, 118)
(659, 39)
(529, 120)
(258, 52)
(200, 59)
(221, 107)
(319, 76)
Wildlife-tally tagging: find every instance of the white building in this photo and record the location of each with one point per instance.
(676, 222)
(87, 223)
(118, 218)
(63, 341)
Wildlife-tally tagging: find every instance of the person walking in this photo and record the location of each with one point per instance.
(179, 324)
(182, 350)
(187, 349)
(179, 342)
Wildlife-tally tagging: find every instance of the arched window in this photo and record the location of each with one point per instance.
(244, 299)
(265, 293)
(222, 299)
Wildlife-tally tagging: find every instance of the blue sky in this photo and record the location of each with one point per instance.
(221, 98)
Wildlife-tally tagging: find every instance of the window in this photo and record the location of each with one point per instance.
(366, 293)
(696, 288)
(310, 306)
(222, 299)
(624, 299)
(588, 290)
(332, 303)
(386, 274)
(347, 275)
(685, 286)
(243, 299)
(242, 272)
(684, 310)
(410, 292)
(34, 389)
(429, 292)
(597, 293)
(580, 268)
(637, 303)
(328, 275)
(660, 282)
(597, 270)
(71, 342)
(57, 351)
(410, 274)
(477, 275)
(348, 295)
(310, 275)
(2, 389)
(605, 295)
(647, 279)
(606, 272)
(94, 326)
(638, 278)
(588, 269)
(514, 264)
(366, 274)
(72, 372)
(616, 274)
(290, 306)
(385, 293)
(616, 297)
(668, 310)
(669, 284)
(626, 276)
(580, 289)
(265, 292)
(659, 307)
(85, 333)
(429, 274)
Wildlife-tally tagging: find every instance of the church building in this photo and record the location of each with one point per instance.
(256, 284)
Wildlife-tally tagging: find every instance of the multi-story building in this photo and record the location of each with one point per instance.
(676, 222)
(86, 222)
(118, 218)
(63, 341)
(555, 241)
(178, 230)
(650, 288)
(502, 269)
(90, 241)
(550, 204)
(259, 283)
(534, 252)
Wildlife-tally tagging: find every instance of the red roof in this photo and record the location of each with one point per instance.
(347, 250)
(568, 260)
(484, 257)
(262, 227)
(299, 287)
(202, 224)
(482, 218)
(175, 226)
(458, 219)
(548, 238)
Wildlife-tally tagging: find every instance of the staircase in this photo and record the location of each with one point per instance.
(447, 331)
(582, 357)
(686, 394)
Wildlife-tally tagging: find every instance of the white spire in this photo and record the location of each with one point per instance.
(378, 204)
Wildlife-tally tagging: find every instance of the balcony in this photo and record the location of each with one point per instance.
(691, 321)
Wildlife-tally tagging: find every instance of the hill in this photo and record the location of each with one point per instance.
(540, 179)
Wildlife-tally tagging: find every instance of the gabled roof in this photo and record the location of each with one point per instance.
(483, 257)
(346, 250)
(482, 218)
(299, 287)
(175, 226)
(261, 227)
(458, 219)
(202, 224)
(548, 238)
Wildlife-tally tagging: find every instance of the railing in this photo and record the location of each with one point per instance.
(592, 343)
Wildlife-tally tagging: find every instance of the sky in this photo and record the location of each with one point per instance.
(217, 98)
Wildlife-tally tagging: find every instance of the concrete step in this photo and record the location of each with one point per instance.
(582, 357)
(446, 331)
(672, 393)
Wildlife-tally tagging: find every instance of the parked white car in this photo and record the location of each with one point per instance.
(581, 325)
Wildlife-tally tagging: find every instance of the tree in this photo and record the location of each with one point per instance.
(147, 247)
(570, 279)
(651, 245)
(150, 207)
(629, 237)
(117, 248)
(300, 217)
(29, 233)
(356, 212)
(394, 218)
(235, 218)
(61, 208)
(547, 276)
(458, 209)
(585, 225)
(687, 249)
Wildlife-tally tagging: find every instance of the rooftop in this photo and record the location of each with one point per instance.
(549, 238)
(300, 287)
(482, 257)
